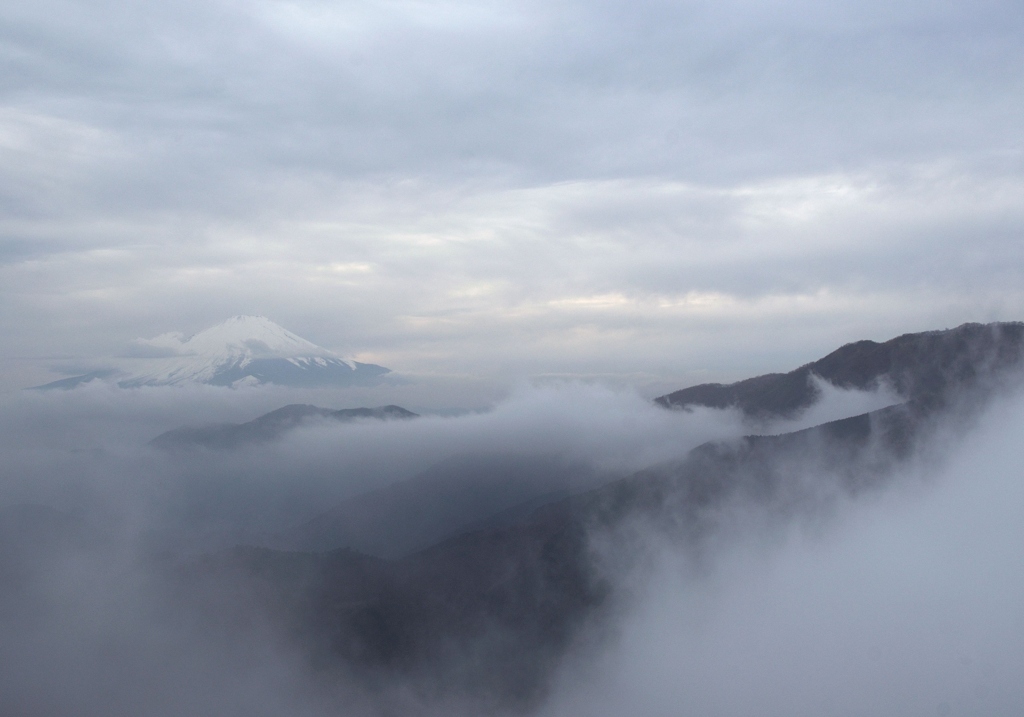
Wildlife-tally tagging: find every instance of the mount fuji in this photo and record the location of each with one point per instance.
(241, 350)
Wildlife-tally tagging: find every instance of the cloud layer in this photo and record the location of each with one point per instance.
(499, 189)
(905, 601)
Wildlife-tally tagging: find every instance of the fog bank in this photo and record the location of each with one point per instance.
(903, 601)
(908, 603)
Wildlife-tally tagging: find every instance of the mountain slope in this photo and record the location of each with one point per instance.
(917, 366)
(447, 499)
(488, 615)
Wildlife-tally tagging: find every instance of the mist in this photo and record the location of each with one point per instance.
(902, 600)
(906, 602)
(90, 448)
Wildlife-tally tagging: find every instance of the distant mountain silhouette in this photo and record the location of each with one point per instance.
(66, 384)
(923, 366)
(269, 426)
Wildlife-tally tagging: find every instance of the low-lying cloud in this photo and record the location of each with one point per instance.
(907, 603)
(63, 448)
(903, 602)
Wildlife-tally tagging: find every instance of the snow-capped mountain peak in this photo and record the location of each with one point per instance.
(250, 349)
(250, 337)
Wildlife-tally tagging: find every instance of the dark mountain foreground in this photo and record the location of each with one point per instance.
(452, 497)
(268, 427)
(485, 617)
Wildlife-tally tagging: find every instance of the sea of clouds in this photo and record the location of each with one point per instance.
(905, 601)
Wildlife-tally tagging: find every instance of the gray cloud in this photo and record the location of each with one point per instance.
(507, 189)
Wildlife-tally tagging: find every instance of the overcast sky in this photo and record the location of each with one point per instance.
(663, 192)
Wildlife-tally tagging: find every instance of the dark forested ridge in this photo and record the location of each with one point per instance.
(269, 426)
(923, 366)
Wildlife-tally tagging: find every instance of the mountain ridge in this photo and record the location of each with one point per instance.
(269, 426)
(916, 366)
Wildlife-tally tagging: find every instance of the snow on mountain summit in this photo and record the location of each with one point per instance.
(243, 349)
(250, 337)
(252, 349)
